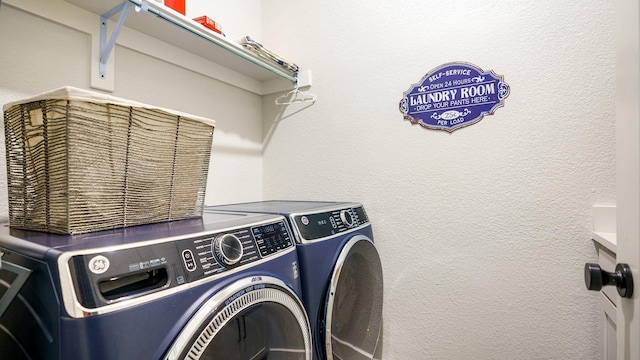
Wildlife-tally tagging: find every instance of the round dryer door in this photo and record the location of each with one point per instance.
(255, 318)
(354, 302)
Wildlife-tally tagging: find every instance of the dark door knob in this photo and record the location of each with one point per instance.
(595, 278)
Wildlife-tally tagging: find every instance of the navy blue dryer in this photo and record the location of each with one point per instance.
(342, 285)
(224, 286)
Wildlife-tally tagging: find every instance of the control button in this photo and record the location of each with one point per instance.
(228, 249)
(189, 262)
(347, 218)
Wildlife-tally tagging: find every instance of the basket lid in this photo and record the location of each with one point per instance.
(72, 93)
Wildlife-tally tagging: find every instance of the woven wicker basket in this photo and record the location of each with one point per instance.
(79, 161)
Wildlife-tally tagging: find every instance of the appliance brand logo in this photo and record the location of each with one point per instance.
(99, 264)
(452, 96)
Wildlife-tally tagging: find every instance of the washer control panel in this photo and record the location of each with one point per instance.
(109, 275)
(319, 225)
(216, 253)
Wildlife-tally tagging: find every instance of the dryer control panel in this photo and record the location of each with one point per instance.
(315, 226)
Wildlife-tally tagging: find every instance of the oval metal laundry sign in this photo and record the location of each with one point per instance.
(454, 95)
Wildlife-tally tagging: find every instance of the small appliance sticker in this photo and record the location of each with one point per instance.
(454, 95)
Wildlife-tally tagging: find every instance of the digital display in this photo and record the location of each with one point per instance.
(272, 238)
(362, 215)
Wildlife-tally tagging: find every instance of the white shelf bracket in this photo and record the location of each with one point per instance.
(106, 46)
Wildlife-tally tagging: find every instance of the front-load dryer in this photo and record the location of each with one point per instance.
(341, 272)
(224, 286)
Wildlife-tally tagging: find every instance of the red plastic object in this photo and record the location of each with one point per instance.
(209, 23)
(177, 5)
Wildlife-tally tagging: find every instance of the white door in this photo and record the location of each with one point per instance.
(628, 170)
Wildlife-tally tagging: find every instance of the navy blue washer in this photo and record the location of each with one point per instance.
(151, 291)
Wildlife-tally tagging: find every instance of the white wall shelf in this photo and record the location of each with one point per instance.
(604, 226)
(165, 24)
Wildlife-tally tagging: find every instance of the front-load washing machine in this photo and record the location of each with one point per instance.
(342, 285)
(224, 286)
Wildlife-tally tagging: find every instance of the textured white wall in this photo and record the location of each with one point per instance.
(39, 55)
(484, 232)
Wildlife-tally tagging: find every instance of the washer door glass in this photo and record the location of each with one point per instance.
(354, 303)
(259, 321)
(262, 331)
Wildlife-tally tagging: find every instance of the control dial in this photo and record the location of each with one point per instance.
(227, 249)
(347, 218)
